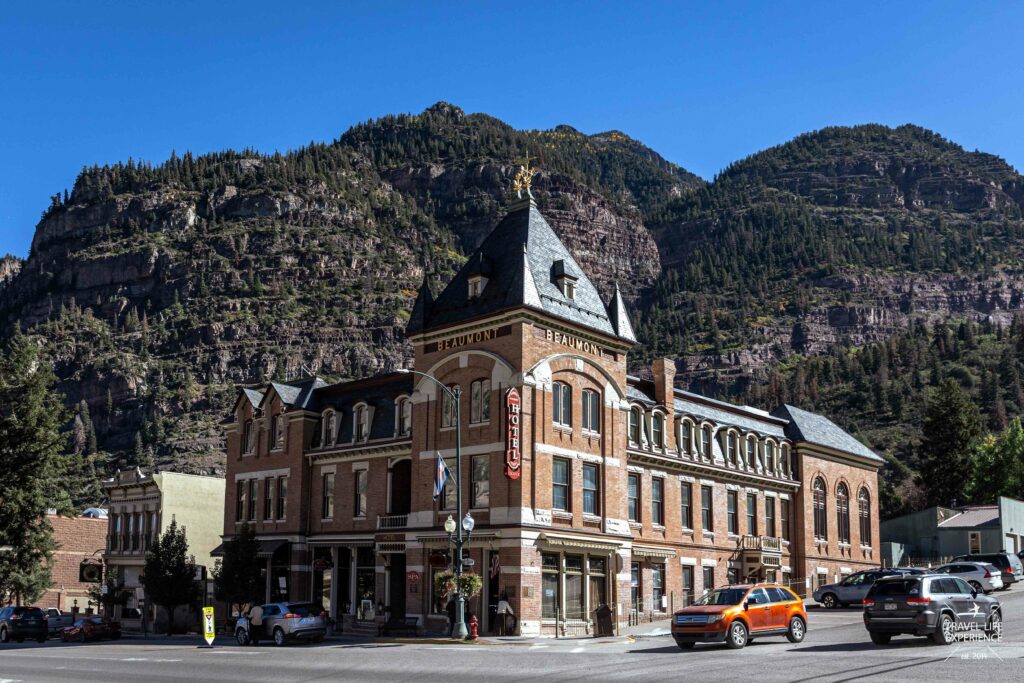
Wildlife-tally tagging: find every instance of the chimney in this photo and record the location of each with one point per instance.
(664, 381)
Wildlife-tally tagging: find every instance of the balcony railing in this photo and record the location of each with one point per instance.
(392, 521)
(768, 544)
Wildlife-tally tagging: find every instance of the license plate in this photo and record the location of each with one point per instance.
(890, 605)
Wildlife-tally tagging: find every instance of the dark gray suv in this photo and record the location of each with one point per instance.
(939, 606)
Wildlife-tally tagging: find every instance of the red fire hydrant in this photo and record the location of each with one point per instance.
(473, 626)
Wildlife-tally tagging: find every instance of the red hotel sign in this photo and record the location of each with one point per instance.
(512, 426)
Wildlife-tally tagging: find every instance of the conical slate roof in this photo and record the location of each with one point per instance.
(520, 259)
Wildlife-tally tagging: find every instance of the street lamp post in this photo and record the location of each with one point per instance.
(455, 393)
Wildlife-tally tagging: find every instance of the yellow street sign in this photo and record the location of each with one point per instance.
(208, 630)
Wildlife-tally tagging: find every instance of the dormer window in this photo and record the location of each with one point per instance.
(476, 286)
(361, 423)
(565, 281)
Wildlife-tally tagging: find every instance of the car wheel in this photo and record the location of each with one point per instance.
(279, 637)
(318, 640)
(945, 630)
(829, 601)
(976, 586)
(241, 637)
(737, 637)
(41, 639)
(4, 637)
(994, 627)
(880, 638)
(685, 646)
(797, 630)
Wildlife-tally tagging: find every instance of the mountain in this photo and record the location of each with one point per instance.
(161, 287)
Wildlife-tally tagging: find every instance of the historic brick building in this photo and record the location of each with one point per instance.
(627, 491)
(80, 541)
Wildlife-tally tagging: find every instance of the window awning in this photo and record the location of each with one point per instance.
(443, 540)
(267, 548)
(651, 551)
(578, 543)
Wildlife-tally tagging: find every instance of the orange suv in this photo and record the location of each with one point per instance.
(738, 614)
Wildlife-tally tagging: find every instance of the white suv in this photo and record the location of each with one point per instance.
(980, 575)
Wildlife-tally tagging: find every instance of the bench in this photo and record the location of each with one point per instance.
(399, 625)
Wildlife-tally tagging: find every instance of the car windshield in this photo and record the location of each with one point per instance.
(303, 609)
(896, 587)
(723, 596)
(28, 611)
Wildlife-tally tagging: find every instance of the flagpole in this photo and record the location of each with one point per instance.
(460, 631)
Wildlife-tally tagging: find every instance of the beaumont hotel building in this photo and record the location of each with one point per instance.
(628, 492)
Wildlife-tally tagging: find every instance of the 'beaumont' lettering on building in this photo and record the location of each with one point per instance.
(465, 339)
(572, 342)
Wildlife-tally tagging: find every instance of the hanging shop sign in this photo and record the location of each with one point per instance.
(513, 420)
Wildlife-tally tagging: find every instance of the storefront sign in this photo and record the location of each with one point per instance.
(572, 341)
(413, 579)
(512, 425)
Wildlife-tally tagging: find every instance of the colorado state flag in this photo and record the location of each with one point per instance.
(441, 475)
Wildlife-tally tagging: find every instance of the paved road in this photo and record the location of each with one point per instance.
(836, 649)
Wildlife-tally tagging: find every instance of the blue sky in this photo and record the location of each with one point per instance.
(96, 82)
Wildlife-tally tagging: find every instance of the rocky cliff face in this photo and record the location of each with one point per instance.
(10, 266)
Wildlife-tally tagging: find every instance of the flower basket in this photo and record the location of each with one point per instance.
(446, 584)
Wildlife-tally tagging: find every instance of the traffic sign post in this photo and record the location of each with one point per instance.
(208, 629)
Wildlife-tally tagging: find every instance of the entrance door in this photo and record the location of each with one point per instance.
(493, 592)
(396, 591)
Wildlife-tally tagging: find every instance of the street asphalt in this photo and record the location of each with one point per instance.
(837, 648)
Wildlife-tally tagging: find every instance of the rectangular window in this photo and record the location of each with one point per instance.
(239, 503)
(360, 493)
(769, 516)
(752, 514)
(658, 585)
(732, 575)
(448, 407)
(688, 596)
(591, 411)
(549, 598)
(268, 498)
(598, 583)
(574, 607)
(559, 484)
(282, 497)
(481, 481)
(590, 504)
(480, 405)
(448, 494)
(561, 396)
(706, 518)
(733, 502)
(784, 519)
(327, 504)
(635, 587)
(634, 426)
(974, 541)
(250, 497)
(709, 578)
(658, 501)
(686, 493)
(633, 497)
(687, 440)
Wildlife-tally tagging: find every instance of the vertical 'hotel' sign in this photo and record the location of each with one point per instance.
(512, 426)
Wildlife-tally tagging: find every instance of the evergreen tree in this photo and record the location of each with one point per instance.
(31, 445)
(169, 576)
(951, 426)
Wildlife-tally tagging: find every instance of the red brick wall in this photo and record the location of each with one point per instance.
(78, 538)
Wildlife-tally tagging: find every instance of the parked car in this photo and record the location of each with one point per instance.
(1009, 564)
(91, 628)
(283, 622)
(737, 615)
(19, 623)
(935, 605)
(854, 588)
(980, 576)
(56, 621)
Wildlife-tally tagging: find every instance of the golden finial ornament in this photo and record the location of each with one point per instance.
(523, 180)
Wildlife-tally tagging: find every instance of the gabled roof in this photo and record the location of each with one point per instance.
(619, 317)
(254, 395)
(818, 429)
(420, 315)
(520, 257)
(297, 394)
(971, 517)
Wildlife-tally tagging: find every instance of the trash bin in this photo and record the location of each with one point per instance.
(603, 622)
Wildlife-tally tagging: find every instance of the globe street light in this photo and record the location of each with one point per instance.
(455, 393)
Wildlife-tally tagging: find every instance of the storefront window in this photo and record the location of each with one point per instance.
(366, 584)
(549, 586)
(635, 593)
(574, 608)
(598, 582)
(658, 584)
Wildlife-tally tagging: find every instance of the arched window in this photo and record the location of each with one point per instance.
(732, 447)
(591, 411)
(843, 513)
(361, 423)
(404, 413)
(330, 428)
(820, 520)
(686, 437)
(751, 451)
(634, 425)
(658, 430)
(448, 407)
(480, 405)
(248, 440)
(784, 461)
(769, 456)
(705, 441)
(864, 505)
(561, 404)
